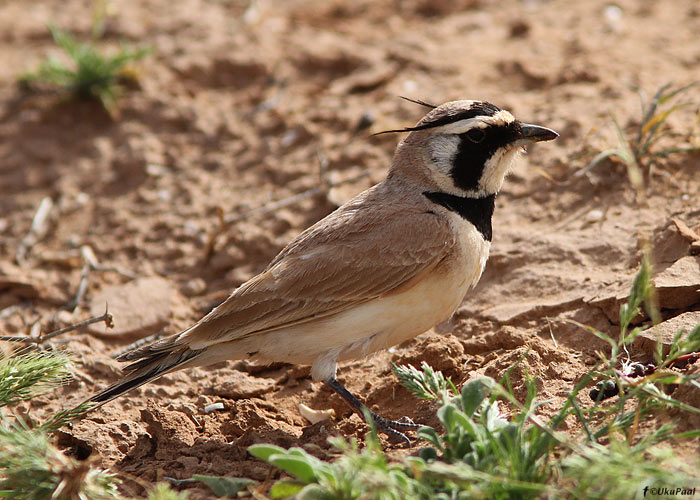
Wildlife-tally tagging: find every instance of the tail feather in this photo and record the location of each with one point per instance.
(152, 365)
(166, 345)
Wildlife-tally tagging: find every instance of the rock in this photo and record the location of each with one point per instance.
(684, 230)
(678, 286)
(688, 394)
(510, 312)
(442, 352)
(665, 331)
(332, 55)
(140, 307)
(229, 70)
(189, 463)
(610, 299)
(670, 245)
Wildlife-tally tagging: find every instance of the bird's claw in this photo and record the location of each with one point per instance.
(404, 423)
(393, 428)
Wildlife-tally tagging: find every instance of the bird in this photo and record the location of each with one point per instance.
(384, 267)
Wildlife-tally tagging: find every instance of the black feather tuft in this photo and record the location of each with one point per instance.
(419, 102)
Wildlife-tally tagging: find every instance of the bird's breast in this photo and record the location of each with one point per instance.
(390, 319)
(431, 300)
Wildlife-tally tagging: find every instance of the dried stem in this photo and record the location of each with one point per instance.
(37, 231)
(106, 317)
(90, 263)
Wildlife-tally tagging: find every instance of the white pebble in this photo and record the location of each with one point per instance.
(82, 198)
(315, 416)
(409, 86)
(214, 407)
(594, 216)
(613, 18)
(155, 170)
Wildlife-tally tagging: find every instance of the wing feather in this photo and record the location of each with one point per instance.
(360, 252)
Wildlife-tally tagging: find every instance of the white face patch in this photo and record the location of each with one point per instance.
(444, 145)
(441, 153)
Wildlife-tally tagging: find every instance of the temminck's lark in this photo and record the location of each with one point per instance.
(386, 266)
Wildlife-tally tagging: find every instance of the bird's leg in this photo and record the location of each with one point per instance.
(391, 428)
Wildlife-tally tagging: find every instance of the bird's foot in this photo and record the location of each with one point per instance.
(395, 428)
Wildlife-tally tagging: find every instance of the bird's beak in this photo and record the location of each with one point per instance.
(534, 133)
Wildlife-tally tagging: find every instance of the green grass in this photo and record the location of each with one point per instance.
(30, 373)
(88, 73)
(31, 466)
(638, 150)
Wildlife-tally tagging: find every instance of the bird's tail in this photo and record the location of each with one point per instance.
(150, 362)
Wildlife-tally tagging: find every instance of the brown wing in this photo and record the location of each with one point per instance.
(356, 254)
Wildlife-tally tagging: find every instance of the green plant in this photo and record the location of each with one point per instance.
(617, 369)
(621, 470)
(91, 74)
(223, 486)
(482, 454)
(30, 373)
(358, 473)
(637, 151)
(31, 467)
(162, 491)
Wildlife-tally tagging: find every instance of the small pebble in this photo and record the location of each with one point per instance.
(213, 407)
(290, 137)
(155, 170)
(64, 317)
(190, 228)
(613, 18)
(594, 216)
(365, 121)
(409, 86)
(194, 287)
(315, 416)
(518, 29)
(81, 199)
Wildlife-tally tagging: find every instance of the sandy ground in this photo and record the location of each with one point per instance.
(242, 104)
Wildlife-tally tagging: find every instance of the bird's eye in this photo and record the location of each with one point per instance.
(476, 135)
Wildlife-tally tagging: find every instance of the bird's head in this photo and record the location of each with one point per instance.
(465, 148)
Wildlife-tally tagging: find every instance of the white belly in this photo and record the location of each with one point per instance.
(382, 322)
